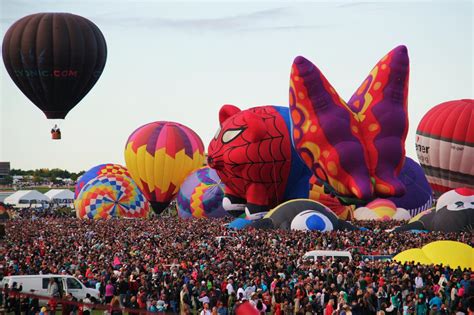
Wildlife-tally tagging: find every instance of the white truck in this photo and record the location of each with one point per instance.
(39, 283)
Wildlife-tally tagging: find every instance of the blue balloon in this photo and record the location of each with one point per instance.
(315, 223)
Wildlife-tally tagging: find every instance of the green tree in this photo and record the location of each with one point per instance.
(7, 180)
(37, 179)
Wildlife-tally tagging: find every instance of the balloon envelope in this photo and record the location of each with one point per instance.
(54, 59)
(111, 196)
(302, 214)
(356, 148)
(381, 210)
(201, 194)
(447, 253)
(454, 213)
(445, 145)
(317, 193)
(102, 169)
(159, 156)
(418, 196)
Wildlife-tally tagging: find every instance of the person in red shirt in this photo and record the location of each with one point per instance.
(141, 298)
(329, 308)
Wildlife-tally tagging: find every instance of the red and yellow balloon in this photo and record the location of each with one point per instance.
(159, 156)
(317, 193)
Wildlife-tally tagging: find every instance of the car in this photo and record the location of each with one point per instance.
(316, 255)
(39, 283)
(376, 257)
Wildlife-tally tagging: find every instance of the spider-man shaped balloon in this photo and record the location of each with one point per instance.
(253, 155)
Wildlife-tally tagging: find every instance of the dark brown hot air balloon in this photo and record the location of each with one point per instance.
(55, 59)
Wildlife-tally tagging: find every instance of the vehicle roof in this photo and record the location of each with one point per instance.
(328, 252)
(38, 276)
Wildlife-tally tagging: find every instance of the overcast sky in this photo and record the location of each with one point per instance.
(182, 61)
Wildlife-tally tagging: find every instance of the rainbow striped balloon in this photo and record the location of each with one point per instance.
(99, 170)
(111, 196)
(381, 210)
(159, 156)
(200, 195)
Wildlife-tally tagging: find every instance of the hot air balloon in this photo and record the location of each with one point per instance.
(445, 145)
(418, 196)
(200, 195)
(454, 213)
(447, 253)
(356, 149)
(99, 170)
(159, 156)
(302, 214)
(317, 193)
(253, 155)
(54, 59)
(381, 210)
(109, 196)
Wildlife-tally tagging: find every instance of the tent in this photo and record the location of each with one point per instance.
(61, 196)
(26, 198)
(239, 223)
(448, 253)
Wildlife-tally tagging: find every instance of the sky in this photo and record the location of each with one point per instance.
(181, 61)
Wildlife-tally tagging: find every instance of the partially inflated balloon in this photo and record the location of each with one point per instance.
(454, 213)
(418, 196)
(99, 170)
(159, 156)
(302, 214)
(200, 195)
(445, 145)
(253, 155)
(111, 196)
(54, 59)
(357, 148)
(381, 210)
(318, 194)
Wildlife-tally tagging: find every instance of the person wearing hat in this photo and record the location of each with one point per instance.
(420, 303)
(43, 311)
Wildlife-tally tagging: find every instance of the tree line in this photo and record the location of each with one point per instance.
(42, 174)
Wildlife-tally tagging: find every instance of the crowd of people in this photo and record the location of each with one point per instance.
(175, 266)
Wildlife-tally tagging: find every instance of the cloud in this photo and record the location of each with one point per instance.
(270, 19)
(262, 20)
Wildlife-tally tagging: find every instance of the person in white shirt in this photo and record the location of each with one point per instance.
(87, 310)
(206, 310)
(240, 293)
(249, 291)
(230, 287)
(442, 282)
(418, 281)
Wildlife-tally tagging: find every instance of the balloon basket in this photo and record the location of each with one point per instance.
(56, 135)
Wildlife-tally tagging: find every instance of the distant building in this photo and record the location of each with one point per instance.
(4, 169)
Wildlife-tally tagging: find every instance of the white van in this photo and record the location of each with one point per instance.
(67, 284)
(320, 255)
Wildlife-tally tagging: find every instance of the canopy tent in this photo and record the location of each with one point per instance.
(448, 253)
(61, 196)
(26, 198)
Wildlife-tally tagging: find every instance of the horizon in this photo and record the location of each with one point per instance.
(182, 61)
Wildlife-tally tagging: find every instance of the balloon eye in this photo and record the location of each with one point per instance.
(217, 133)
(459, 204)
(311, 220)
(230, 135)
